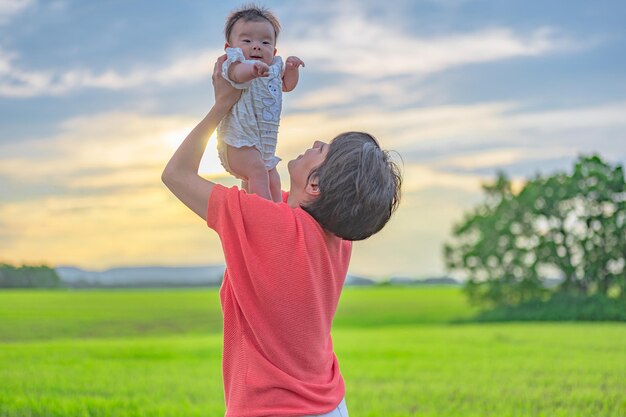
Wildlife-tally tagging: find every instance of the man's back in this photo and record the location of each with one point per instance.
(280, 292)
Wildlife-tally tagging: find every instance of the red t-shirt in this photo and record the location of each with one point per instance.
(284, 275)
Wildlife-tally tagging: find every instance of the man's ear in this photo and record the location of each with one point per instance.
(312, 188)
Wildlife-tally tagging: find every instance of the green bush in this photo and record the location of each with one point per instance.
(561, 307)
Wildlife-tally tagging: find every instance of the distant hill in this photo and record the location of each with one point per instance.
(356, 280)
(426, 281)
(193, 276)
(155, 276)
(151, 276)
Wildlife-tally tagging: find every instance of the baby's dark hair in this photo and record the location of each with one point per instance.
(251, 13)
(359, 187)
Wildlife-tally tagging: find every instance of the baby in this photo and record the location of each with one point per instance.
(246, 137)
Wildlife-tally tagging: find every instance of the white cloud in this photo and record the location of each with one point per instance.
(92, 151)
(122, 140)
(420, 128)
(344, 43)
(492, 158)
(5, 62)
(387, 93)
(10, 8)
(352, 44)
(376, 59)
(419, 177)
(402, 129)
(19, 82)
(610, 114)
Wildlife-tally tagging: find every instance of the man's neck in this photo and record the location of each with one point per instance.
(296, 197)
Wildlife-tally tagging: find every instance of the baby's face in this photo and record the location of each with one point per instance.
(256, 40)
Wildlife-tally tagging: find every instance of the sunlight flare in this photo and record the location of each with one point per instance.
(210, 164)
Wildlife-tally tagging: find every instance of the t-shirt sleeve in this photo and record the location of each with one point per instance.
(234, 55)
(246, 219)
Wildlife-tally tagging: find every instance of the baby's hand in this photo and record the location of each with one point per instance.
(260, 69)
(293, 62)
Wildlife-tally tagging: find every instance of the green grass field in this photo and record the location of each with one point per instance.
(158, 353)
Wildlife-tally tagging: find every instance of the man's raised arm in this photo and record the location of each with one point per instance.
(181, 172)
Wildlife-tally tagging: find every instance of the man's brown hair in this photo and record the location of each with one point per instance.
(251, 13)
(359, 187)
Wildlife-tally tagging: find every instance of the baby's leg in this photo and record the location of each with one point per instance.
(247, 163)
(277, 194)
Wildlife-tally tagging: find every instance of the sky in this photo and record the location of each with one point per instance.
(95, 96)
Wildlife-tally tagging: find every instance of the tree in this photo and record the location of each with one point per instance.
(28, 277)
(570, 225)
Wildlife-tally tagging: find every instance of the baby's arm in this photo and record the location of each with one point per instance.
(291, 75)
(242, 72)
